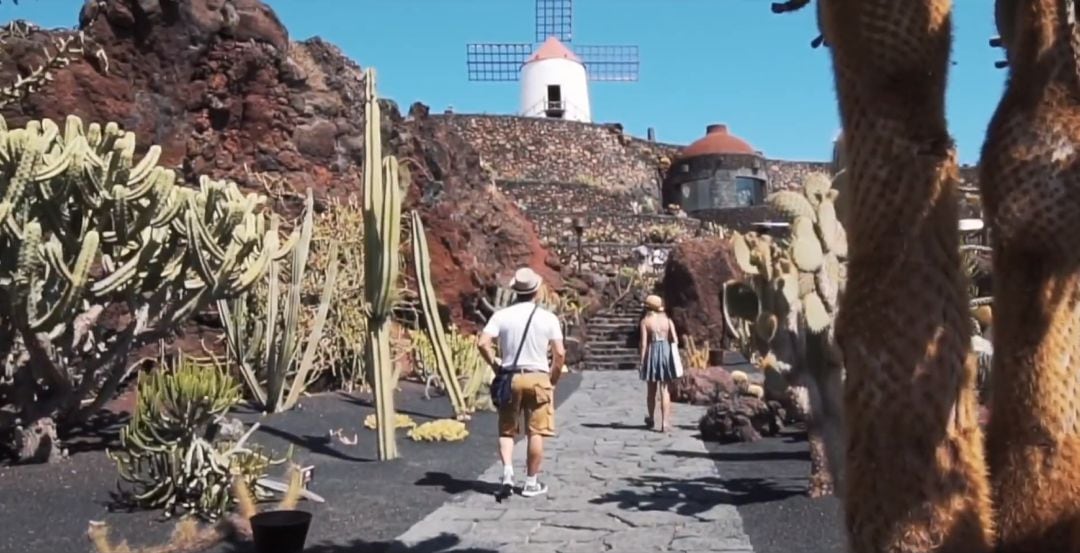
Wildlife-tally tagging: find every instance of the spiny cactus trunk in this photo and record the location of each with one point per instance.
(1029, 174)
(916, 474)
(445, 363)
(382, 238)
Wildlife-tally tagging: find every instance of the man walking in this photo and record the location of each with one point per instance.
(524, 332)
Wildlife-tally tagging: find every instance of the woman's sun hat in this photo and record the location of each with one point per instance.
(654, 303)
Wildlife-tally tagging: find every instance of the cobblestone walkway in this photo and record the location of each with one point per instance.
(614, 486)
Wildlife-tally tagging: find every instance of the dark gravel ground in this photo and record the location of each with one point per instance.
(768, 480)
(48, 507)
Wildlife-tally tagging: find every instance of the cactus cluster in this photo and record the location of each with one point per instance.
(793, 280)
(785, 311)
(189, 536)
(566, 305)
(83, 227)
(173, 450)
(468, 364)
(400, 421)
(341, 349)
(441, 430)
(264, 340)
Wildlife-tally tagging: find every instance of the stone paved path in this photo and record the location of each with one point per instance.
(613, 487)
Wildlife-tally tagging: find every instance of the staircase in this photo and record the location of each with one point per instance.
(609, 341)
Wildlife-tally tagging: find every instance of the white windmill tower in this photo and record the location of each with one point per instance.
(554, 84)
(554, 79)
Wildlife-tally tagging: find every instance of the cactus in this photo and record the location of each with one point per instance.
(172, 449)
(400, 421)
(468, 362)
(189, 536)
(382, 238)
(445, 364)
(441, 430)
(266, 353)
(84, 228)
(788, 303)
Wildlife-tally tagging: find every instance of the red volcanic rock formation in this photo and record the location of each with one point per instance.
(219, 85)
(692, 285)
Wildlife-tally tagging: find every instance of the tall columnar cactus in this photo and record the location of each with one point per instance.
(266, 351)
(382, 240)
(444, 358)
(84, 228)
(786, 310)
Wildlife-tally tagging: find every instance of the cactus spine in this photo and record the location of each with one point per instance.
(444, 358)
(382, 237)
(279, 345)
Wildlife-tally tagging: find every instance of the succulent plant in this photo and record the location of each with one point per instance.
(84, 228)
(442, 357)
(265, 350)
(786, 307)
(173, 451)
(441, 430)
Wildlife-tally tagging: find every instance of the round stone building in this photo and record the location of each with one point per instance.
(718, 177)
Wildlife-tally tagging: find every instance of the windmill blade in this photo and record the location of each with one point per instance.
(609, 63)
(554, 18)
(496, 61)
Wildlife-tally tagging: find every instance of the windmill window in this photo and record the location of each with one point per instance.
(554, 107)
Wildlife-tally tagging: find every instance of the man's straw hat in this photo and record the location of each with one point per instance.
(525, 281)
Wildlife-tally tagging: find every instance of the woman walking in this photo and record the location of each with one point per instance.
(657, 365)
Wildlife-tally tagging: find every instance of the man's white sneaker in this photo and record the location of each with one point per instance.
(533, 490)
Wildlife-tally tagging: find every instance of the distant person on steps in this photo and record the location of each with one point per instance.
(657, 365)
(524, 332)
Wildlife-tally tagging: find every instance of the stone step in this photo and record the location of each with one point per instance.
(593, 366)
(606, 326)
(610, 324)
(605, 344)
(627, 354)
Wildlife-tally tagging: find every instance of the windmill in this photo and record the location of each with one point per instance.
(554, 78)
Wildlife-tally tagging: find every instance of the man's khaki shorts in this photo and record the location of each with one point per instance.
(533, 395)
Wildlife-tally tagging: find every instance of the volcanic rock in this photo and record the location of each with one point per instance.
(220, 87)
(692, 287)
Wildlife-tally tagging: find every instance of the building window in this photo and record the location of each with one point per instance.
(749, 191)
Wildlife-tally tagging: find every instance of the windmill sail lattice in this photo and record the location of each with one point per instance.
(554, 18)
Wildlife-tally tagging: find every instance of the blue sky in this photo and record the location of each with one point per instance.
(702, 61)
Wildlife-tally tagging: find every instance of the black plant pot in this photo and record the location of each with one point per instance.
(280, 531)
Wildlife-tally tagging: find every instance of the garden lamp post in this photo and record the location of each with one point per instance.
(579, 229)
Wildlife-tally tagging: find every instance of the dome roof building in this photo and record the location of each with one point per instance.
(719, 177)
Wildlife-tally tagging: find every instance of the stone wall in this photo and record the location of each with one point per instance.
(617, 229)
(553, 150)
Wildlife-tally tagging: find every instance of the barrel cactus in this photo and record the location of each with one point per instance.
(86, 229)
(786, 307)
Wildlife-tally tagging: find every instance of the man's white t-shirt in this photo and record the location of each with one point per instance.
(507, 325)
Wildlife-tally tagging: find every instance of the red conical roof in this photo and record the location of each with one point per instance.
(717, 140)
(552, 49)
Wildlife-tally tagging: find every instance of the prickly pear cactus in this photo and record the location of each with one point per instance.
(85, 228)
(785, 310)
(794, 282)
